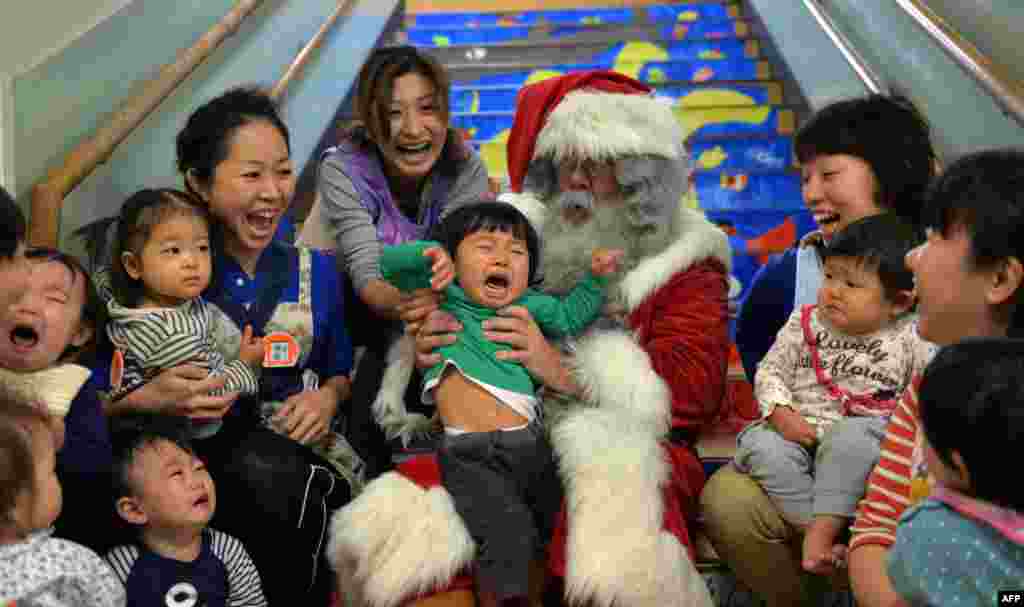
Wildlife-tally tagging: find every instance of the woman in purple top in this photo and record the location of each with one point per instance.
(398, 170)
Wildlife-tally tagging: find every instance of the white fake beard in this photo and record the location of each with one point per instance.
(566, 248)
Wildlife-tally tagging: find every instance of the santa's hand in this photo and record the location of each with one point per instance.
(515, 326)
(442, 268)
(605, 262)
(437, 330)
(416, 307)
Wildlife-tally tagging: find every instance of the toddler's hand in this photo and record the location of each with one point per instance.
(443, 268)
(793, 427)
(605, 262)
(251, 350)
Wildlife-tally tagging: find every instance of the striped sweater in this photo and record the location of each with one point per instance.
(899, 479)
(154, 339)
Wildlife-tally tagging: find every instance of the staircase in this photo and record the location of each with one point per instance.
(702, 55)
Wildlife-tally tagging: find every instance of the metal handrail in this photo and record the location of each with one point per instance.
(867, 75)
(49, 193)
(1007, 92)
(343, 9)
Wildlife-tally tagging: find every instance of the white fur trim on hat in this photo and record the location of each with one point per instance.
(603, 126)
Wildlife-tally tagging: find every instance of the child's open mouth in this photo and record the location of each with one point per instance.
(24, 337)
(202, 501)
(496, 285)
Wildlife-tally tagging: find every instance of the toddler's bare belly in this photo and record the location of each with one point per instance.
(464, 405)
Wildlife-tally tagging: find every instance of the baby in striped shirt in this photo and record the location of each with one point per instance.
(163, 489)
(160, 267)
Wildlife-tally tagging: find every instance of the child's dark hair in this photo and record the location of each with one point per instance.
(94, 309)
(970, 400)
(889, 134)
(18, 421)
(375, 86)
(881, 242)
(983, 194)
(12, 225)
(130, 434)
(205, 141)
(140, 214)
(490, 217)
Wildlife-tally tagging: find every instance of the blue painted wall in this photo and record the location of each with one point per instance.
(60, 102)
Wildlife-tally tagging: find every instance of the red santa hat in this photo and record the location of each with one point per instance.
(597, 115)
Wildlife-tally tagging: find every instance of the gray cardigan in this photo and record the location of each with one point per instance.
(348, 226)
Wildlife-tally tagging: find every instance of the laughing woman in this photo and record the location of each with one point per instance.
(274, 492)
(398, 170)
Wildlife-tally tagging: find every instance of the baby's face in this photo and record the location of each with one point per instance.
(36, 329)
(493, 268)
(172, 486)
(852, 298)
(175, 263)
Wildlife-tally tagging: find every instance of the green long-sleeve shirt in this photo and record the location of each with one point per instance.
(405, 267)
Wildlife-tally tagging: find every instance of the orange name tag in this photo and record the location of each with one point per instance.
(116, 370)
(280, 350)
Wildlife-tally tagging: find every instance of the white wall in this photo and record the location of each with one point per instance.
(39, 29)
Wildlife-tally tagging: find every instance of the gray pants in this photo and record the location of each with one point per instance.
(828, 479)
(506, 488)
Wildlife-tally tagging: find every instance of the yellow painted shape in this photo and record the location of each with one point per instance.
(494, 157)
(688, 16)
(591, 20)
(693, 119)
(656, 75)
(442, 41)
(715, 98)
(690, 201)
(539, 75)
(712, 158)
(635, 54)
(474, 105)
(711, 54)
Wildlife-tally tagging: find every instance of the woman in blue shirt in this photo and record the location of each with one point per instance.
(858, 157)
(275, 492)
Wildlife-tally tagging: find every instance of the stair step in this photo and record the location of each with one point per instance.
(719, 190)
(767, 154)
(763, 231)
(534, 34)
(749, 155)
(633, 51)
(705, 94)
(652, 72)
(686, 13)
(698, 123)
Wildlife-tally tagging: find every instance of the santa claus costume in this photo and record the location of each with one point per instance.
(650, 385)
